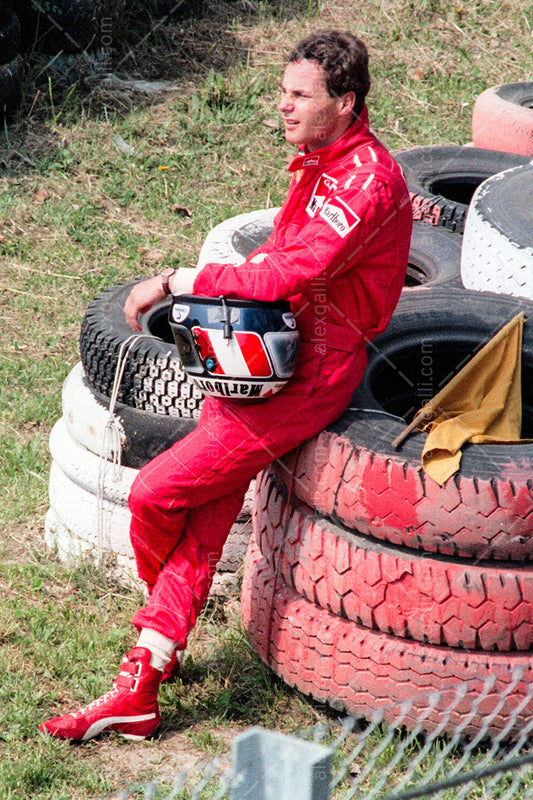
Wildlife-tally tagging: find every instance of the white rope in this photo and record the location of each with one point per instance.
(111, 449)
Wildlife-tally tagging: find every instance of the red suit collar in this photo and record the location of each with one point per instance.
(335, 150)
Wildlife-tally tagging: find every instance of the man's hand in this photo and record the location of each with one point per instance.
(150, 291)
(141, 299)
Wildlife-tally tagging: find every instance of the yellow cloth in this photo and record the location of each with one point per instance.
(482, 403)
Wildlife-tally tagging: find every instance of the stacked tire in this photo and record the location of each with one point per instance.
(68, 26)
(11, 63)
(99, 443)
(155, 404)
(442, 180)
(497, 253)
(96, 456)
(367, 584)
(502, 118)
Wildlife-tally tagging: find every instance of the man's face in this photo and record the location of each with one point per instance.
(310, 115)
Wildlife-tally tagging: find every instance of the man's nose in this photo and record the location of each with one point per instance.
(285, 103)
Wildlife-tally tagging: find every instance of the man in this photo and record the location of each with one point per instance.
(339, 252)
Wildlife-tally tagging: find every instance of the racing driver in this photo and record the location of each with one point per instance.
(339, 253)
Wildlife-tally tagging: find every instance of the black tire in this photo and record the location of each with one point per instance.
(11, 76)
(352, 473)
(6, 10)
(442, 180)
(70, 26)
(9, 39)
(434, 258)
(153, 378)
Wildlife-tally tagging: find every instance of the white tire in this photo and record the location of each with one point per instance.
(232, 240)
(85, 417)
(89, 514)
(133, 435)
(497, 251)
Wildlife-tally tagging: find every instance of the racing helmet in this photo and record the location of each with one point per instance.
(241, 349)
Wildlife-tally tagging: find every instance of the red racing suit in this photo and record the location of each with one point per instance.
(338, 252)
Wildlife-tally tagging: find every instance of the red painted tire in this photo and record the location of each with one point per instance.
(351, 473)
(358, 671)
(502, 118)
(443, 601)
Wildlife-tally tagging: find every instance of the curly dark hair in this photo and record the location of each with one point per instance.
(344, 59)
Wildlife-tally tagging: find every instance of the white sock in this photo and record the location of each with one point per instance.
(160, 646)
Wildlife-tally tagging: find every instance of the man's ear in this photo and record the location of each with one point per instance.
(347, 104)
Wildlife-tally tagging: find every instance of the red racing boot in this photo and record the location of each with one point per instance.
(172, 669)
(130, 708)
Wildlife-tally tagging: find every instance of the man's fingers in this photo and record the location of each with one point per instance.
(141, 298)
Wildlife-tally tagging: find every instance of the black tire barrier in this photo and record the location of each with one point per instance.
(68, 26)
(502, 118)
(11, 77)
(153, 378)
(9, 39)
(434, 258)
(443, 179)
(497, 250)
(351, 473)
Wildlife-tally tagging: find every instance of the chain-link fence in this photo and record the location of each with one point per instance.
(373, 759)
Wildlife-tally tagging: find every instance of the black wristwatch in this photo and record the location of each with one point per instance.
(166, 275)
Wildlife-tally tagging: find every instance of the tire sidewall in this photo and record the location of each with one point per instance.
(446, 314)
(426, 168)
(153, 378)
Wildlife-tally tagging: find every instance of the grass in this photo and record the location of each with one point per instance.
(79, 213)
